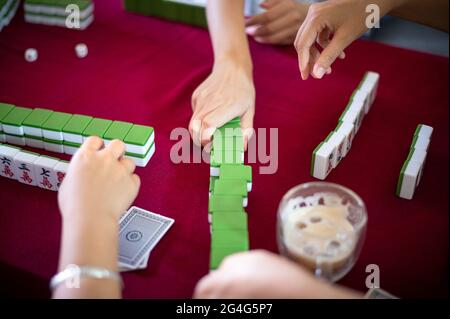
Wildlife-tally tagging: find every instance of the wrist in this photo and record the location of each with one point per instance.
(82, 216)
(91, 241)
(239, 61)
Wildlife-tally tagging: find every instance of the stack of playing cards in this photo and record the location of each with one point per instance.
(335, 147)
(31, 168)
(8, 9)
(139, 232)
(230, 183)
(412, 169)
(60, 12)
(64, 133)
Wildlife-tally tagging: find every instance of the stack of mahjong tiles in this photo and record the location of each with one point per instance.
(32, 168)
(336, 146)
(184, 11)
(8, 9)
(230, 183)
(53, 12)
(64, 133)
(412, 169)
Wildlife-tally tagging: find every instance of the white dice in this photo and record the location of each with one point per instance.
(81, 50)
(31, 55)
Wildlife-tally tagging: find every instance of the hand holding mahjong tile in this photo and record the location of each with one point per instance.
(99, 179)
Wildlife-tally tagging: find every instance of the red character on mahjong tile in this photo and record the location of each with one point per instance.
(45, 182)
(350, 140)
(330, 163)
(25, 175)
(60, 176)
(340, 152)
(7, 171)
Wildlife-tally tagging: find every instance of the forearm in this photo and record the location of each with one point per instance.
(89, 243)
(227, 30)
(433, 13)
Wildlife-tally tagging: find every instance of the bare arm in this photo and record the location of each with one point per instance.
(227, 30)
(99, 186)
(228, 92)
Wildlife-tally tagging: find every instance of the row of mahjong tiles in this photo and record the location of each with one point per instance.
(337, 144)
(53, 12)
(64, 133)
(230, 183)
(32, 168)
(413, 167)
(8, 9)
(191, 12)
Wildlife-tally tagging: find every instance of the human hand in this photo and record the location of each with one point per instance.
(279, 24)
(100, 183)
(260, 274)
(227, 93)
(332, 25)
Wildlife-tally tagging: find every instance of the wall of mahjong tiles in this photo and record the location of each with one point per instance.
(143, 70)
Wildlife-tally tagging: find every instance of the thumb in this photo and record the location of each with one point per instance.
(247, 126)
(330, 54)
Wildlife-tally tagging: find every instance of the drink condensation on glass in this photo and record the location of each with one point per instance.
(322, 227)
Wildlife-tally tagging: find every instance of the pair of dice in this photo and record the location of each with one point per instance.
(81, 51)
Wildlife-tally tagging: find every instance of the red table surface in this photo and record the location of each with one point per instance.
(144, 70)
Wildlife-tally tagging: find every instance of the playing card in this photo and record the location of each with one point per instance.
(139, 232)
(142, 265)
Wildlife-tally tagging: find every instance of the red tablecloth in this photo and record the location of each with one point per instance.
(144, 70)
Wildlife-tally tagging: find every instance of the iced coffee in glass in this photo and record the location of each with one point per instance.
(322, 227)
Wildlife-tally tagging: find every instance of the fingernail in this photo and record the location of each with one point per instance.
(251, 30)
(319, 71)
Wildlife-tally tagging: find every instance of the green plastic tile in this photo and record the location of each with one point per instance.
(329, 136)
(16, 116)
(140, 155)
(313, 159)
(77, 145)
(33, 137)
(346, 109)
(229, 221)
(118, 130)
(416, 132)
(15, 135)
(97, 127)
(228, 130)
(212, 180)
(235, 120)
(139, 135)
(5, 109)
(37, 118)
(231, 187)
(230, 238)
(82, 4)
(219, 254)
(226, 157)
(56, 121)
(77, 124)
(225, 203)
(48, 140)
(236, 171)
(59, 18)
(229, 143)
